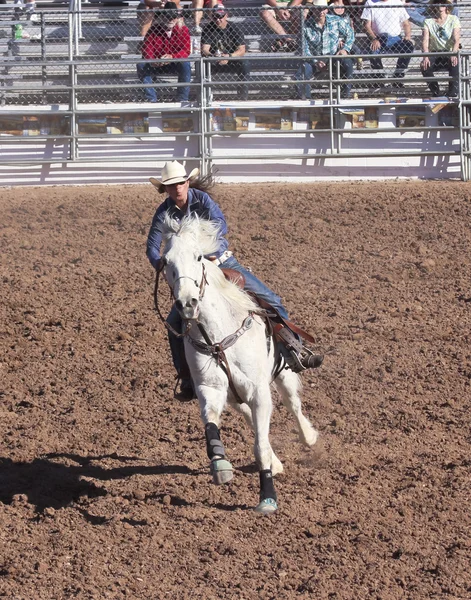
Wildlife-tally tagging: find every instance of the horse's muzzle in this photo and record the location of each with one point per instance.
(188, 309)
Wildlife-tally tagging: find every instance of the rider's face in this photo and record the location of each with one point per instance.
(178, 192)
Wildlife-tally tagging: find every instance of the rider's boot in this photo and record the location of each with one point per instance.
(298, 358)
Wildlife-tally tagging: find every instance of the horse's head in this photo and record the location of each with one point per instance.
(186, 245)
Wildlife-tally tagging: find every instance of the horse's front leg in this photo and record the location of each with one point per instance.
(212, 405)
(261, 412)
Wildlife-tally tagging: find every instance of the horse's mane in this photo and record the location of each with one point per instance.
(203, 235)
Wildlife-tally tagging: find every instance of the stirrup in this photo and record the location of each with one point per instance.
(300, 361)
(300, 358)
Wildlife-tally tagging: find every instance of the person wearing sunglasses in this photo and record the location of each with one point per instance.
(226, 40)
(441, 34)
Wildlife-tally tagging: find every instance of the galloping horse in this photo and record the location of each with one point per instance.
(228, 353)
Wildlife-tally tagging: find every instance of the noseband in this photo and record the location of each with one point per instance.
(188, 322)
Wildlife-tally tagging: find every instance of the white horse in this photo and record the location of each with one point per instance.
(219, 315)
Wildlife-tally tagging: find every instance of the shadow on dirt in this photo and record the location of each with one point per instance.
(48, 483)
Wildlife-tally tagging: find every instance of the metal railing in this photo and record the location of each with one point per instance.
(78, 61)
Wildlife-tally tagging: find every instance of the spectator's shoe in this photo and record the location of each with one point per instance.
(186, 392)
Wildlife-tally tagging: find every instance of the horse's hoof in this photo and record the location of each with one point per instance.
(221, 470)
(267, 506)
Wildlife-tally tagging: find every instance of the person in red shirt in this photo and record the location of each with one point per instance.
(168, 38)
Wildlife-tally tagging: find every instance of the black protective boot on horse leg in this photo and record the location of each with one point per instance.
(221, 469)
(267, 493)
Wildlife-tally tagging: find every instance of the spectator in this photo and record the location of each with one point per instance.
(337, 8)
(325, 34)
(385, 21)
(281, 21)
(441, 34)
(146, 13)
(168, 38)
(418, 11)
(224, 39)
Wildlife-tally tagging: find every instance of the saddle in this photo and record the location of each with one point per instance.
(287, 334)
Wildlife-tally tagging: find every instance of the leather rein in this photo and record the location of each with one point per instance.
(216, 350)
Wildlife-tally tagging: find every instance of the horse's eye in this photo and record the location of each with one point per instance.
(200, 258)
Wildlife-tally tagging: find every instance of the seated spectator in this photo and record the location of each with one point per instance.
(145, 12)
(418, 11)
(224, 39)
(441, 34)
(385, 22)
(282, 22)
(167, 39)
(324, 35)
(337, 8)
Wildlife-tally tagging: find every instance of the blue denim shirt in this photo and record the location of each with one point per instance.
(199, 203)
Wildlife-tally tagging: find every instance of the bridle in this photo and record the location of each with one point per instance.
(216, 350)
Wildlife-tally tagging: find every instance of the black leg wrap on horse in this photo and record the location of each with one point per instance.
(214, 445)
(267, 489)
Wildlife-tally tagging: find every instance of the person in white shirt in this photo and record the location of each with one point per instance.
(388, 27)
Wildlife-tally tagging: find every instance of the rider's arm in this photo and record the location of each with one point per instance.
(154, 239)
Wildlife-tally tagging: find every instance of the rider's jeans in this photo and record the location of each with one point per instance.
(252, 284)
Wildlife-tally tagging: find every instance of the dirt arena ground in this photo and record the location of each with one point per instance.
(105, 490)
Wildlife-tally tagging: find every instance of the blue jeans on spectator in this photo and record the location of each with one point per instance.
(147, 72)
(252, 284)
(393, 45)
(308, 71)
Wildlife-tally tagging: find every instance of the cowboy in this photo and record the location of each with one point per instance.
(187, 195)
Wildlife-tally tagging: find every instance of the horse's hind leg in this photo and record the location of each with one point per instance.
(211, 409)
(288, 384)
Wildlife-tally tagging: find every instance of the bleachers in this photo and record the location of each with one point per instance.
(100, 46)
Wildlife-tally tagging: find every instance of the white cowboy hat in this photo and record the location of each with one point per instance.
(173, 172)
(319, 3)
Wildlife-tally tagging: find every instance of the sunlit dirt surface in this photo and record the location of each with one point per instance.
(105, 489)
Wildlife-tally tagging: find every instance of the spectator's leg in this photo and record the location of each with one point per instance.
(198, 14)
(241, 69)
(377, 63)
(183, 70)
(346, 71)
(405, 47)
(269, 16)
(432, 85)
(305, 71)
(417, 14)
(453, 85)
(145, 73)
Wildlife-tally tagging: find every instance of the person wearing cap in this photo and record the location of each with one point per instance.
(224, 39)
(325, 34)
(188, 195)
(167, 39)
(441, 34)
(388, 28)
